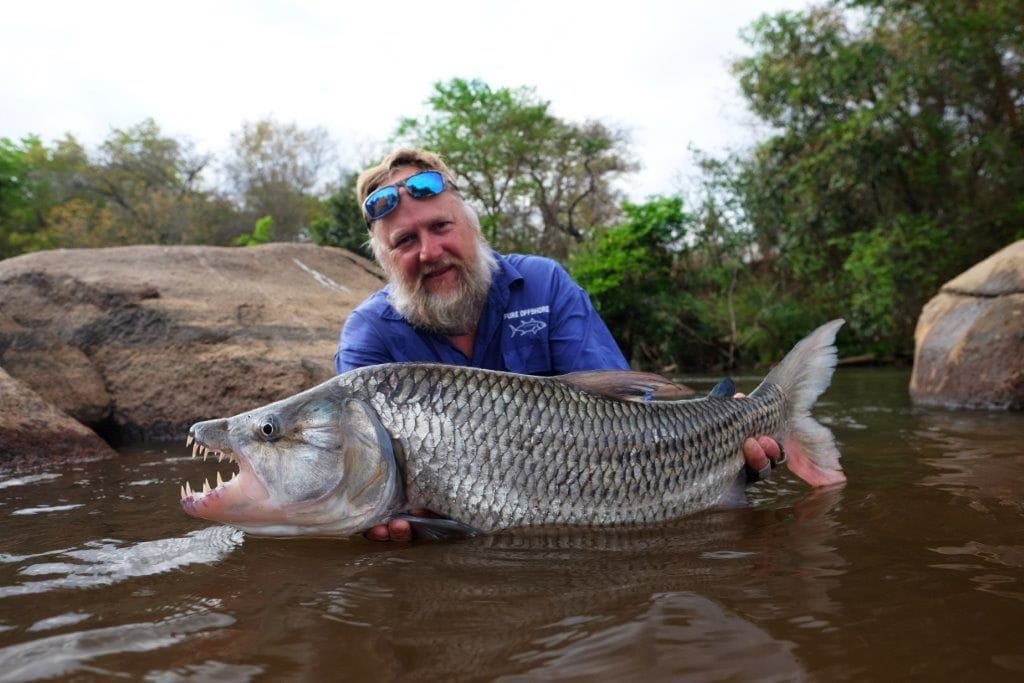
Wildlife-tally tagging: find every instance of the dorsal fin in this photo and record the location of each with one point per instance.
(627, 385)
(724, 389)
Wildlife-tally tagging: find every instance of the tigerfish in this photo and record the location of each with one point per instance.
(488, 450)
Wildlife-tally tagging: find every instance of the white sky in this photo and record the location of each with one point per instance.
(200, 69)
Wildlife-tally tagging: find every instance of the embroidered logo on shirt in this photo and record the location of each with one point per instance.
(531, 326)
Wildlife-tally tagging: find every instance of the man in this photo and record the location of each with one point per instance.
(451, 299)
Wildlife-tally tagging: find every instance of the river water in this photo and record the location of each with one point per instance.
(913, 569)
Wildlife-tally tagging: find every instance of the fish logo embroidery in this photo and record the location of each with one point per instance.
(527, 327)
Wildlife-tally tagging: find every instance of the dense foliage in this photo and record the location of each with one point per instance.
(894, 159)
(342, 223)
(898, 153)
(142, 186)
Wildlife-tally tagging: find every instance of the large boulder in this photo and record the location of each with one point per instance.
(969, 342)
(35, 433)
(139, 342)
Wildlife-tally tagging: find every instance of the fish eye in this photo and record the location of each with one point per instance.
(269, 428)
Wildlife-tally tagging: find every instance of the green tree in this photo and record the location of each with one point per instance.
(37, 180)
(751, 306)
(139, 186)
(539, 183)
(149, 182)
(341, 223)
(14, 202)
(262, 233)
(897, 157)
(278, 170)
(630, 263)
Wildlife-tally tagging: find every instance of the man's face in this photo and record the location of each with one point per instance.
(426, 240)
(432, 254)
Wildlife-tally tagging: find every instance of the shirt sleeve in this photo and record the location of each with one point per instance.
(579, 338)
(359, 344)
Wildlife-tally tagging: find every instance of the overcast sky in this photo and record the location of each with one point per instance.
(201, 69)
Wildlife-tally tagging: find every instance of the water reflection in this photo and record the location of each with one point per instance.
(63, 654)
(667, 640)
(978, 456)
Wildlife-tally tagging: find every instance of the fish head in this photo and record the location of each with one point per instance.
(317, 464)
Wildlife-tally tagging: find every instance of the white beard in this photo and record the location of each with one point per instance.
(452, 313)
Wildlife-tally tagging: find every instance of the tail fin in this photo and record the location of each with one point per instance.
(803, 375)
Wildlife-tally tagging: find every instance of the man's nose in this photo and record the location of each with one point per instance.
(430, 247)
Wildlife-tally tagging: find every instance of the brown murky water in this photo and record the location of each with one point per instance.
(914, 569)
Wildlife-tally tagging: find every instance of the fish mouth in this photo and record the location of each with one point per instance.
(214, 501)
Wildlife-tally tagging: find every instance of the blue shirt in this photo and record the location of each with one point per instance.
(537, 321)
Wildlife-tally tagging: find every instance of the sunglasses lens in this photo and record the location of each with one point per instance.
(419, 186)
(381, 202)
(425, 184)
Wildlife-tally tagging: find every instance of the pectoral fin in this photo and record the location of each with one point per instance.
(437, 528)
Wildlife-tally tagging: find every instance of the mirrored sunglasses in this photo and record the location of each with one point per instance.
(383, 200)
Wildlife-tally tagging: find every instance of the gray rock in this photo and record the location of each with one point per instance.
(34, 433)
(139, 342)
(969, 341)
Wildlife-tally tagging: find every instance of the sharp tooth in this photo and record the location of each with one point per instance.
(188, 488)
(220, 456)
(188, 441)
(183, 492)
(195, 447)
(204, 457)
(220, 480)
(206, 486)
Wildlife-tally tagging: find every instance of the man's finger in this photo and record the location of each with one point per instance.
(399, 530)
(770, 447)
(755, 455)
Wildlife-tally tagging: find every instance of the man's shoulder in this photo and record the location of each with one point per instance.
(375, 302)
(531, 261)
(531, 264)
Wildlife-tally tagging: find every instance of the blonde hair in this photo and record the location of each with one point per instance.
(376, 176)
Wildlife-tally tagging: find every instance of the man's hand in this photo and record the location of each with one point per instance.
(394, 530)
(762, 454)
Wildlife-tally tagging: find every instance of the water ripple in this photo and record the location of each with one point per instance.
(105, 562)
(47, 508)
(59, 621)
(27, 479)
(64, 653)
